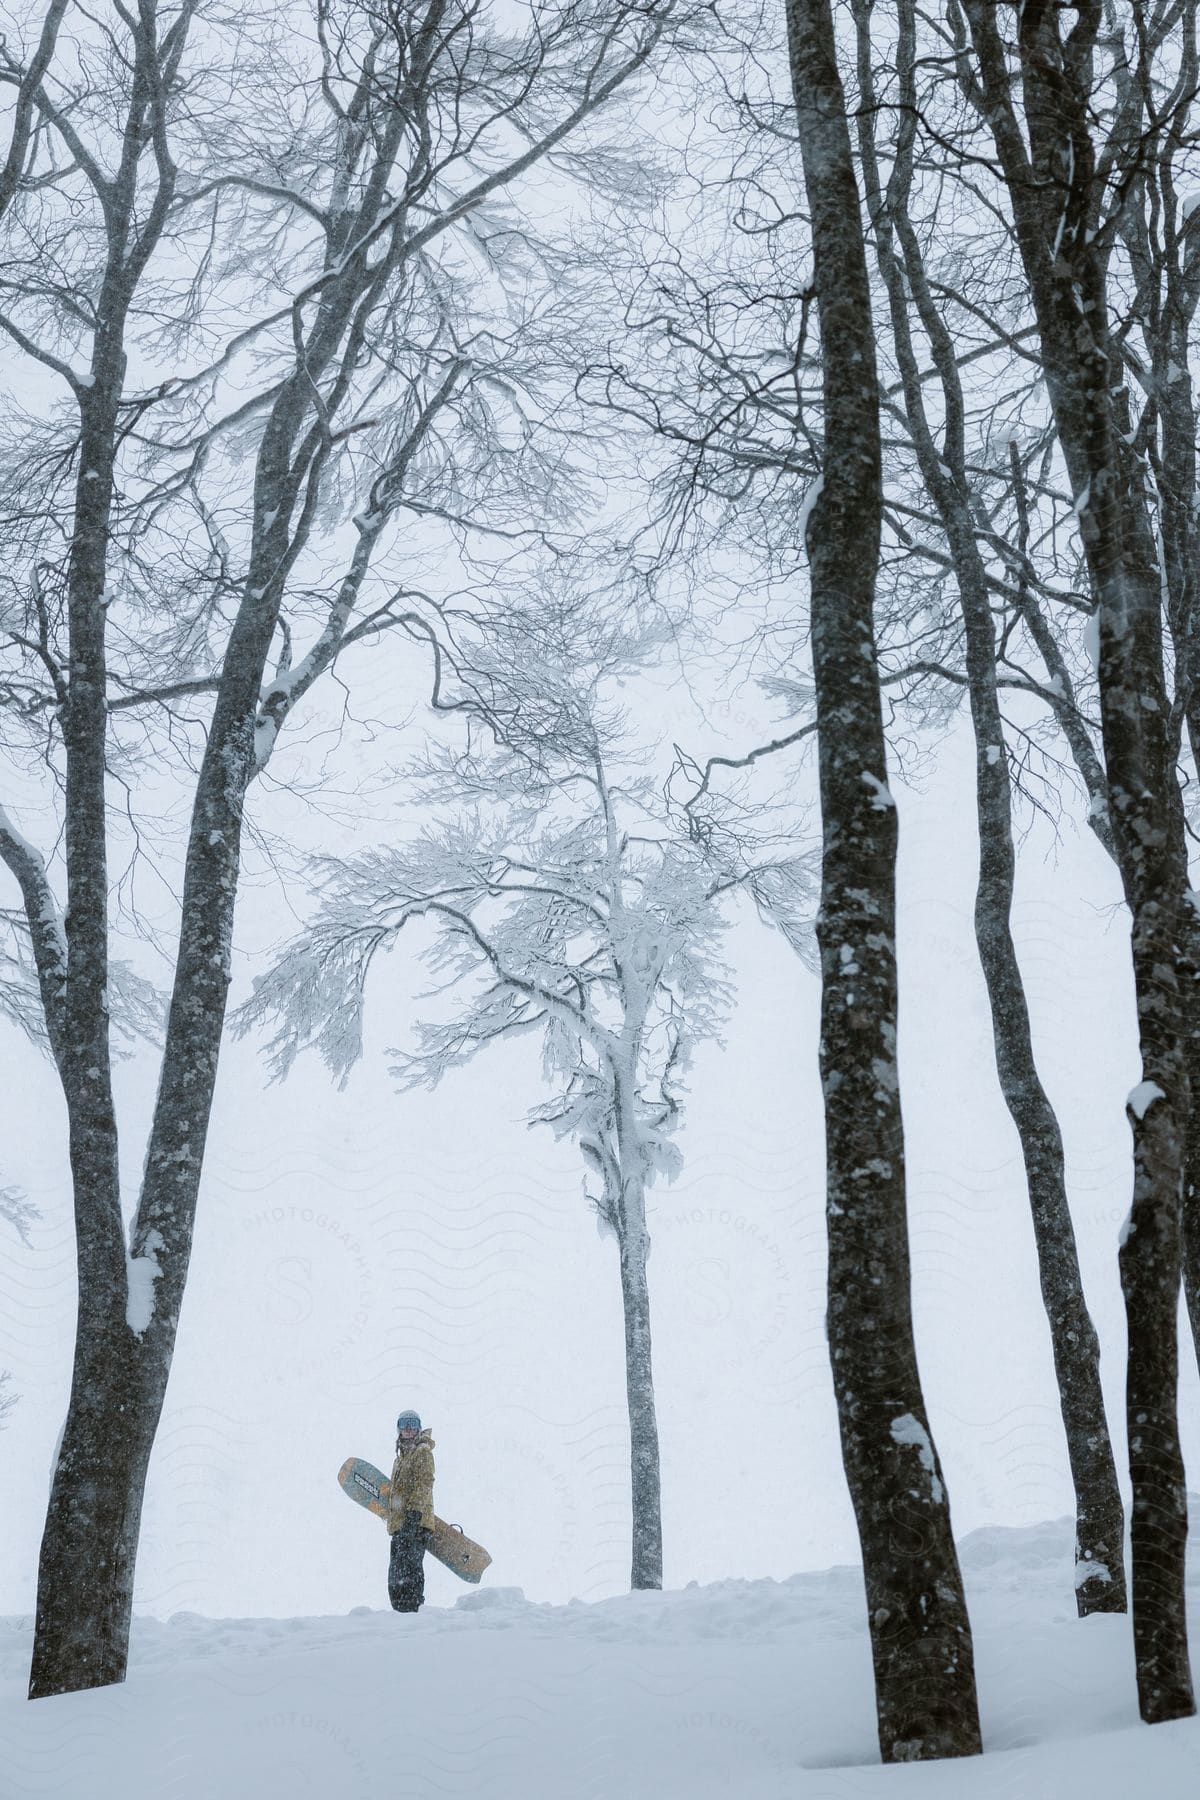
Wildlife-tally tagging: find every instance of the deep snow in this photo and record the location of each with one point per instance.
(754, 1689)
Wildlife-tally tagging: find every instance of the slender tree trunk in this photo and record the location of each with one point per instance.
(1055, 196)
(123, 1361)
(123, 1357)
(1148, 828)
(917, 1615)
(1179, 511)
(646, 1567)
(86, 1561)
(1191, 1153)
(80, 1562)
(1099, 1511)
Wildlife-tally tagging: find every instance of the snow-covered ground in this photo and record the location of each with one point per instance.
(754, 1689)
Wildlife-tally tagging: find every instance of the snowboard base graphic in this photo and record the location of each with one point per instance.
(449, 1543)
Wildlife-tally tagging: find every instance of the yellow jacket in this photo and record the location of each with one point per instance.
(412, 1483)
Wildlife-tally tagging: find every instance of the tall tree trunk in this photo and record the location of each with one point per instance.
(645, 1480)
(1172, 265)
(1055, 195)
(123, 1361)
(1099, 1511)
(129, 1308)
(80, 1563)
(1191, 1154)
(85, 1568)
(917, 1615)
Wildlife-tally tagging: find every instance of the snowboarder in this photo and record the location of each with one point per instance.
(410, 1513)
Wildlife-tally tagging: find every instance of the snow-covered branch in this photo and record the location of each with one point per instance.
(44, 922)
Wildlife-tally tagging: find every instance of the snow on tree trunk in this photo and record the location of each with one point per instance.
(1191, 1153)
(1054, 193)
(1099, 1584)
(645, 1482)
(1099, 1510)
(1190, 1220)
(85, 1569)
(633, 1239)
(82, 1624)
(1180, 528)
(89, 1544)
(920, 1632)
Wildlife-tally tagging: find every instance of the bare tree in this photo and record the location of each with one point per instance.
(564, 903)
(916, 1609)
(942, 461)
(163, 178)
(1066, 196)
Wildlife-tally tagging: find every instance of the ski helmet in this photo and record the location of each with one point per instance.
(408, 1421)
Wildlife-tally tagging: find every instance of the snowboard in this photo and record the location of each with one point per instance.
(449, 1543)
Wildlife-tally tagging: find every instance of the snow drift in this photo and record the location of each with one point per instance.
(755, 1689)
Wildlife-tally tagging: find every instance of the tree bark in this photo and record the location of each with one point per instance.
(85, 1568)
(1055, 198)
(917, 1615)
(1167, 266)
(89, 1543)
(645, 1479)
(1099, 1511)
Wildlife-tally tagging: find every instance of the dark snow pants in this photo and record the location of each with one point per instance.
(406, 1566)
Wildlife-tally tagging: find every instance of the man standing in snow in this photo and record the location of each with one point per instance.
(410, 1513)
